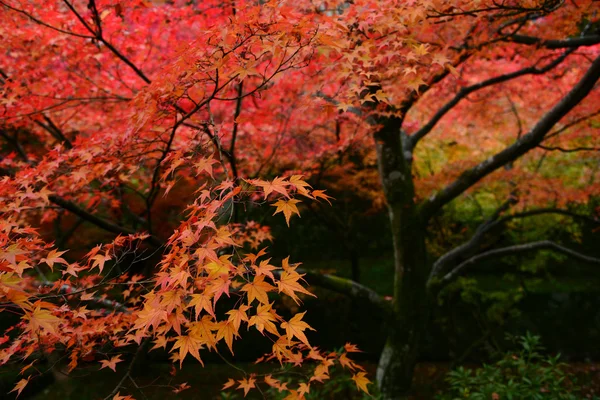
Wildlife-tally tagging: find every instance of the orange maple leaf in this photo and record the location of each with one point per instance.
(257, 289)
(295, 328)
(228, 384)
(187, 344)
(246, 385)
(119, 397)
(236, 316)
(227, 331)
(202, 330)
(112, 363)
(264, 319)
(54, 257)
(288, 207)
(201, 302)
(288, 284)
(99, 261)
(42, 319)
(277, 185)
(361, 381)
(20, 386)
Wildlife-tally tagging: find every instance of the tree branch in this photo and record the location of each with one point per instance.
(517, 249)
(139, 351)
(572, 43)
(465, 91)
(99, 222)
(444, 263)
(349, 288)
(521, 146)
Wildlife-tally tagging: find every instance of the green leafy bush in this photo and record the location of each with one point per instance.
(526, 374)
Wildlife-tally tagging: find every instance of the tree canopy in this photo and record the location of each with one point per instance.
(161, 129)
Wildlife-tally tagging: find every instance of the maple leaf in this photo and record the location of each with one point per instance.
(415, 83)
(227, 331)
(288, 207)
(237, 315)
(11, 253)
(99, 261)
(112, 363)
(160, 342)
(246, 385)
(295, 327)
(263, 319)
(228, 384)
(182, 386)
(264, 268)
(361, 381)
(269, 380)
(257, 289)
(25, 368)
(150, 316)
(42, 319)
(351, 348)
(300, 185)
(320, 194)
(277, 185)
(288, 284)
(303, 388)
(205, 165)
(321, 373)
(218, 287)
(20, 386)
(54, 257)
(119, 397)
(201, 302)
(203, 331)
(187, 344)
(346, 362)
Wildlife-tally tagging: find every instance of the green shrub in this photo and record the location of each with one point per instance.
(526, 374)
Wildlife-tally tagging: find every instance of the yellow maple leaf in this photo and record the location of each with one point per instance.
(288, 207)
(361, 381)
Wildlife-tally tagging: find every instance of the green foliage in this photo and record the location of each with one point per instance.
(526, 374)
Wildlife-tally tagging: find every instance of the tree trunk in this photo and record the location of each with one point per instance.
(410, 301)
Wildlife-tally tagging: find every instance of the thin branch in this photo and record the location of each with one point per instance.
(571, 124)
(129, 369)
(521, 146)
(572, 43)
(451, 257)
(563, 150)
(465, 91)
(349, 288)
(238, 110)
(37, 21)
(54, 131)
(99, 222)
(98, 35)
(517, 249)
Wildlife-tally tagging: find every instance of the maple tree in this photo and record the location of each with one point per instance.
(158, 125)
